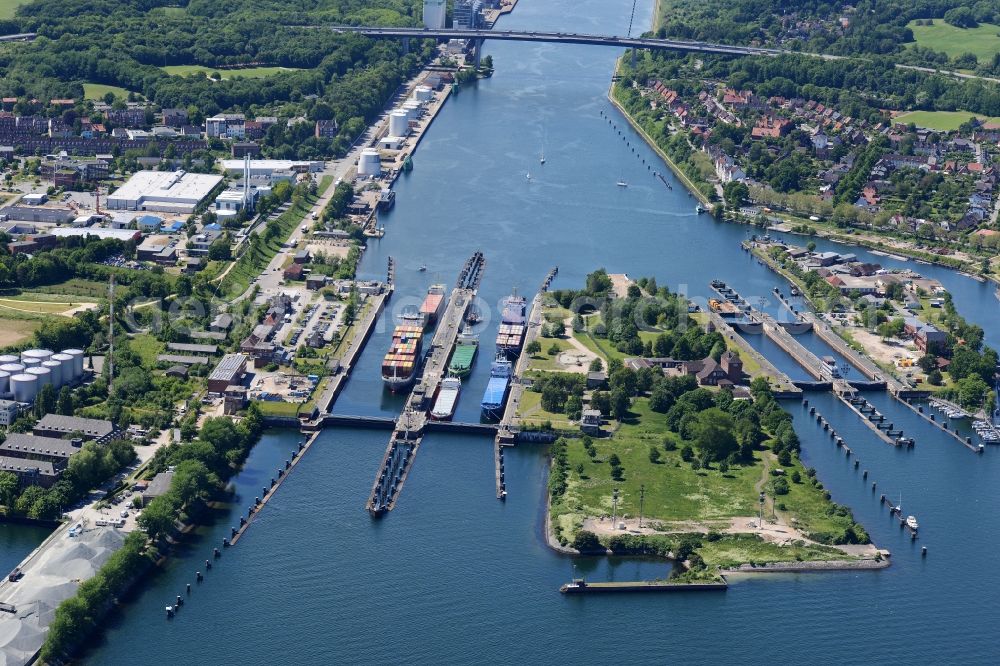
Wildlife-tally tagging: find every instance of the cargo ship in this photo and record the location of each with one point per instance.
(496, 390)
(399, 366)
(464, 355)
(433, 305)
(510, 337)
(447, 399)
(513, 309)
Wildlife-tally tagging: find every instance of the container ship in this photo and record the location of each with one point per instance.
(464, 355)
(433, 305)
(496, 390)
(399, 366)
(447, 399)
(510, 337)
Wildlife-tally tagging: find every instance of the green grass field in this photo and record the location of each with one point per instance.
(39, 303)
(7, 7)
(982, 41)
(14, 331)
(99, 90)
(147, 347)
(944, 121)
(530, 412)
(250, 72)
(735, 549)
(677, 494)
(92, 289)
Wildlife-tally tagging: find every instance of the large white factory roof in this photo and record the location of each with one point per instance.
(265, 167)
(124, 235)
(177, 191)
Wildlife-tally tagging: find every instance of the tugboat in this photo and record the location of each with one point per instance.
(386, 199)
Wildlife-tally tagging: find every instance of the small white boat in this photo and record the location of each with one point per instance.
(911, 522)
(527, 176)
(621, 183)
(541, 159)
(423, 267)
(698, 209)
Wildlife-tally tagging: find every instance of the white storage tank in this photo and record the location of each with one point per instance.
(423, 93)
(77, 355)
(369, 164)
(31, 362)
(40, 354)
(12, 368)
(413, 110)
(399, 123)
(24, 387)
(43, 374)
(9, 358)
(4, 383)
(67, 371)
(55, 370)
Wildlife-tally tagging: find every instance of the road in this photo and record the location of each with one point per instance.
(627, 42)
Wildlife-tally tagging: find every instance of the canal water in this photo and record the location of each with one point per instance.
(452, 575)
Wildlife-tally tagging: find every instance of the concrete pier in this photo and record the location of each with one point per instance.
(409, 428)
(293, 462)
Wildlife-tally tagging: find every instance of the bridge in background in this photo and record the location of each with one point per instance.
(477, 37)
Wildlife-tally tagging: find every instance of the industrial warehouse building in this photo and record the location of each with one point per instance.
(269, 167)
(169, 191)
(230, 370)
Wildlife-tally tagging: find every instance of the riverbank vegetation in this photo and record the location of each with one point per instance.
(199, 470)
(79, 616)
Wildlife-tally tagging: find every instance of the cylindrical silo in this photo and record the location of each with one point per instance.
(40, 354)
(369, 164)
(413, 110)
(67, 372)
(12, 368)
(77, 355)
(4, 383)
(399, 123)
(31, 362)
(24, 387)
(44, 375)
(9, 358)
(55, 369)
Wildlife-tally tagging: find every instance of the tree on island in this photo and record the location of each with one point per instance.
(587, 542)
(714, 434)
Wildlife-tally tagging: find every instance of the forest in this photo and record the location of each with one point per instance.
(344, 77)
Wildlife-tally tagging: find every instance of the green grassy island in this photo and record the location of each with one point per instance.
(703, 460)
